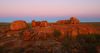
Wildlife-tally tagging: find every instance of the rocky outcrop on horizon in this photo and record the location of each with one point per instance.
(44, 37)
(72, 20)
(42, 29)
(39, 23)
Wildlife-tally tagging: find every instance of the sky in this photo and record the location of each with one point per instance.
(50, 10)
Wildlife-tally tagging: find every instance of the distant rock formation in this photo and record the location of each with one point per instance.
(72, 20)
(42, 31)
(33, 23)
(44, 24)
(40, 24)
(18, 25)
(62, 21)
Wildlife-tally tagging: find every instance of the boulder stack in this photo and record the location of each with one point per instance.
(40, 24)
(74, 20)
(63, 22)
(44, 24)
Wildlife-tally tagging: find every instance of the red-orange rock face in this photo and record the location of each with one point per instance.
(33, 23)
(74, 20)
(43, 33)
(62, 22)
(44, 24)
(40, 24)
(18, 25)
(74, 30)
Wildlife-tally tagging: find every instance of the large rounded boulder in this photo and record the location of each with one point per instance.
(18, 25)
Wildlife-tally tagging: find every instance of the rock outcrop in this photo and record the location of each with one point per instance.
(40, 24)
(63, 22)
(42, 33)
(18, 25)
(73, 31)
(44, 24)
(74, 20)
(33, 23)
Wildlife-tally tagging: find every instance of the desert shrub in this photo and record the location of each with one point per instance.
(67, 44)
(18, 50)
(89, 42)
(57, 33)
(92, 39)
(4, 49)
(1, 49)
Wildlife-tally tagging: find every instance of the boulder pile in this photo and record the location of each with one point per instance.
(40, 24)
(72, 20)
